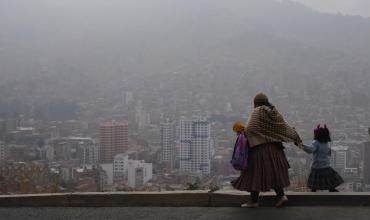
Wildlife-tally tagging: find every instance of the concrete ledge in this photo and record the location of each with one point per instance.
(178, 199)
(115, 199)
(234, 199)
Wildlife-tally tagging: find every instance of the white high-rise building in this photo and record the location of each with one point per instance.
(108, 169)
(89, 153)
(83, 148)
(142, 118)
(2, 151)
(339, 157)
(128, 98)
(120, 167)
(168, 142)
(195, 145)
(139, 173)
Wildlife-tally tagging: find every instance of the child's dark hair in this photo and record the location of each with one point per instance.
(322, 134)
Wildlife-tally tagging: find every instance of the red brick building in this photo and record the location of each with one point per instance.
(113, 140)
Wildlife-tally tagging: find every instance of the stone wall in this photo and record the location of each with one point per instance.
(178, 199)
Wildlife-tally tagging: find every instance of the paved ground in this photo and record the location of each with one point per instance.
(126, 213)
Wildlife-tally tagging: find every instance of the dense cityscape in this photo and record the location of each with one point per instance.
(149, 152)
(139, 97)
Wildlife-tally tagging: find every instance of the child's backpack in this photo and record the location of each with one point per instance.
(239, 159)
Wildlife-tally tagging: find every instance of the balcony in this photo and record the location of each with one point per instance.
(183, 205)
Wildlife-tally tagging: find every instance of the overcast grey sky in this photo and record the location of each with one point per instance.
(352, 7)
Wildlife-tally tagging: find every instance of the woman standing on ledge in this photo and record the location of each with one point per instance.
(267, 163)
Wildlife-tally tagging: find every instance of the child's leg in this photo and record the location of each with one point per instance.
(313, 190)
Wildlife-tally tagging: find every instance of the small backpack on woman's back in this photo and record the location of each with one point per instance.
(239, 159)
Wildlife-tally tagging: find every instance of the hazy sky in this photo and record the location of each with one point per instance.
(352, 7)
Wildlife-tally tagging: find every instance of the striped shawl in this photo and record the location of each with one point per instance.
(267, 125)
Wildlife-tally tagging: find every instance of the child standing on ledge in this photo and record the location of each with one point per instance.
(322, 176)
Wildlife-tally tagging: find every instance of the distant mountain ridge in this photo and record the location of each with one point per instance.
(86, 48)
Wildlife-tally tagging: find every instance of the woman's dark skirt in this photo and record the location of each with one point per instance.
(267, 169)
(324, 179)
